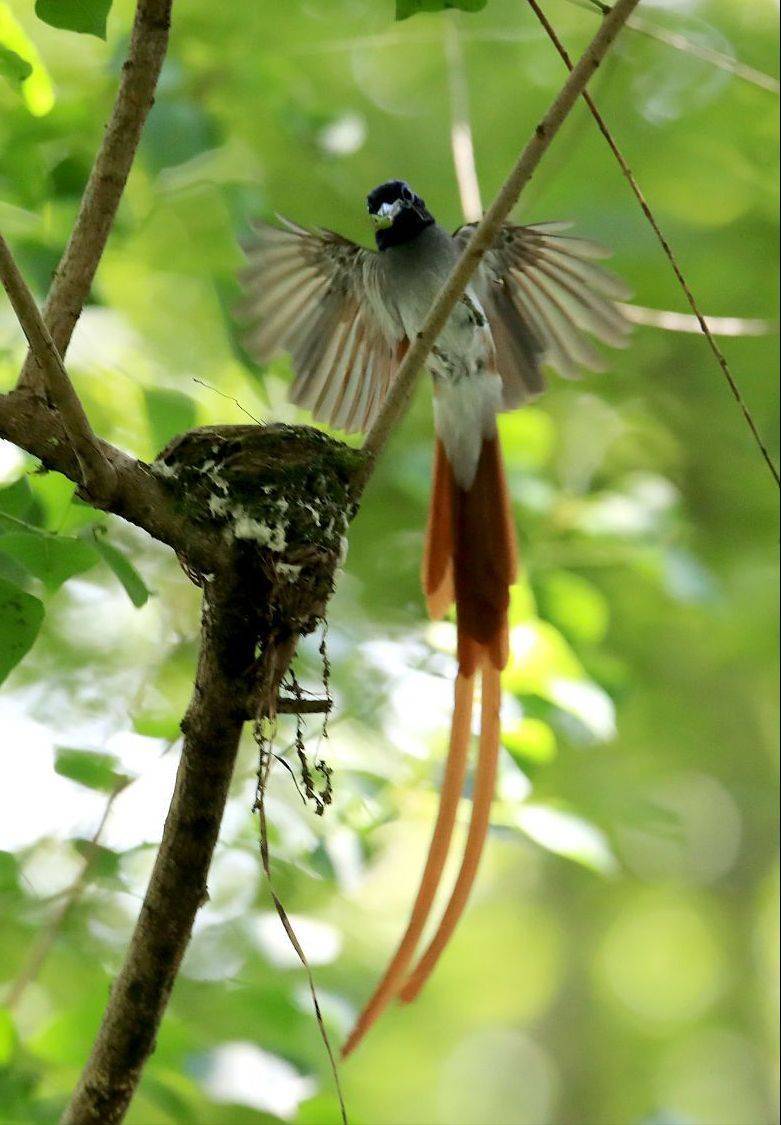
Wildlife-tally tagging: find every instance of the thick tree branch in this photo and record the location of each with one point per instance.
(139, 496)
(177, 886)
(399, 397)
(73, 277)
(97, 475)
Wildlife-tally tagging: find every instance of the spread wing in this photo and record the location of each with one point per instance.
(319, 297)
(544, 296)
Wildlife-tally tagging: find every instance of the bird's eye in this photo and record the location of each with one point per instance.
(406, 194)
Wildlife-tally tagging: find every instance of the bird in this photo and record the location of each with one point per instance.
(346, 315)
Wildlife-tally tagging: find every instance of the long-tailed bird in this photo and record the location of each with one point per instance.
(346, 315)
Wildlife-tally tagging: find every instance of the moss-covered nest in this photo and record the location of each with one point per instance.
(280, 497)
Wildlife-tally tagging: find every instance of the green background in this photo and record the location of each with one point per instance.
(617, 965)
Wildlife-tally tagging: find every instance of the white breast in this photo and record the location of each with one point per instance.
(467, 386)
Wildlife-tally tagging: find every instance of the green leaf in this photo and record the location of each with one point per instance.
(566, 834)
(52, 559)
(530, 742)
(21, 616)
(169, 413)
(94, 770)
(407, 8)
(13, 571)
(13, 66)
(103, 862)
(17, 500)
(86, 16)
(134, 585)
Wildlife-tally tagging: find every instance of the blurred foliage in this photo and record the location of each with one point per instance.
(618, 963)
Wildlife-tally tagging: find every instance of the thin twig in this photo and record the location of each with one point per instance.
(73, 278)
(682, 43)
(671, 321)
(630, 178)
(642, 26)
(397, 401)
(289, 706)
(230, 398)
(45, 940)
(260, 805)
(99, 477)
(460, 127)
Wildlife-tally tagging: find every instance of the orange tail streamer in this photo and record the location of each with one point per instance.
(485, 780)
(470, 558)
(452, 785)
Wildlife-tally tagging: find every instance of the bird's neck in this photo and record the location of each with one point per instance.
(408, 225)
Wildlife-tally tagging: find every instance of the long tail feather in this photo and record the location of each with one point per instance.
(484, 561)
(470, 558)
(452, 784)
(485, 779)
(437, 569)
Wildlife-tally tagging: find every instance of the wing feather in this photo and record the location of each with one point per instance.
(545, 296)
(320, 297)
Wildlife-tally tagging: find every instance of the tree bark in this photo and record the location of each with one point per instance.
(177, 887)
(76, 270)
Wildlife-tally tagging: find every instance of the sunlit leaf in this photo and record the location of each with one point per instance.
(538, 655)
(86, 16)
(54, 559)
(575, 605)
(94, 770)
(568, 835)
(21, 616)
(132, 582)
(13, 66)
(36, 85)
(530, 742)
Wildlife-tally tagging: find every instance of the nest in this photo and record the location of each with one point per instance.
(279, 497)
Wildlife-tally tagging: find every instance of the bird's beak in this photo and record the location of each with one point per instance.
(383, 218)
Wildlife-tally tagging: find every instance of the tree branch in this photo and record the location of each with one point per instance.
(97, 475)
(177, 887)
(399, 397)
(76, 270)
(646, 209)
(139, 495)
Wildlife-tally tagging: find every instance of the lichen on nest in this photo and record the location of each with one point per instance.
(280, 496)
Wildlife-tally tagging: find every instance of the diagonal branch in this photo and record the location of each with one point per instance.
(630, 178)
(98, 476)
(74, 275)
(177, 886)
(399, 397)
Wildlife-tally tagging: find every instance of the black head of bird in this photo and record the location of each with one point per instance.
(397, 212)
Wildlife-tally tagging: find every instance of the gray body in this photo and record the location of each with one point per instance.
(467, 386)
(346, 315)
